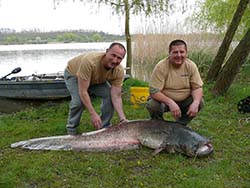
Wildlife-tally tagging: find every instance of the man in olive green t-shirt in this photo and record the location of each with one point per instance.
(176, 86)
(99, 74)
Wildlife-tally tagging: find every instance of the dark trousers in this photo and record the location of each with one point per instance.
(156, 109)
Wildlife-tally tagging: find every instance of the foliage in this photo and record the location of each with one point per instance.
(134, 82)
(219, 59)
(138, 6)
(203, 60)
(69, 37)
(216, 15)
(96, 37)
(38, 37)
(12, 40)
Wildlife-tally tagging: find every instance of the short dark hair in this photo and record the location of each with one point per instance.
(118, 44)
(176, 43)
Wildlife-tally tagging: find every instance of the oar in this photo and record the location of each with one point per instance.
(16, 70)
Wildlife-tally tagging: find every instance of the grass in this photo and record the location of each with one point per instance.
(228, 166)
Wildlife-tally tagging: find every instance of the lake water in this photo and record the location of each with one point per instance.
(43, 58)
(39, 59)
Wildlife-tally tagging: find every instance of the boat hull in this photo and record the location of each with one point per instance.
(38, 89)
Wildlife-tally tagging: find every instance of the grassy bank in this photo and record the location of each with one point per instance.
(228, 166)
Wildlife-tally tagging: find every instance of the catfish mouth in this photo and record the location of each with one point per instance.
(204, 150)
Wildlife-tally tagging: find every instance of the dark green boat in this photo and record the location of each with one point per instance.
(47, 87)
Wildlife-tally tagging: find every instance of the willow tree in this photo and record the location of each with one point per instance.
(224, 47)
(128, 7)
(231, 17)
(135, 7)
(233, 65)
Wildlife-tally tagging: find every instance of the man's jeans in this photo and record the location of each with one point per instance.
(76, 106)
(156, 109)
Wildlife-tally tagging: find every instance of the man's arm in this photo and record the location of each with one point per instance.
(83, 86)
(116, 96)
(197, 97)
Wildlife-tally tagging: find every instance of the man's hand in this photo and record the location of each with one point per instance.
(96, 121)
(175, 110)
(193, 109)
(123, 121)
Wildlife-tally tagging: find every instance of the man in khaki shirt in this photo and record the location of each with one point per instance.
(175, 86)
(99, 74)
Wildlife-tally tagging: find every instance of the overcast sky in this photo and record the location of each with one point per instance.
(22, 14)
(26, 14)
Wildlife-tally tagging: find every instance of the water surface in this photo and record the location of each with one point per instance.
(43, 58)
(39, 59)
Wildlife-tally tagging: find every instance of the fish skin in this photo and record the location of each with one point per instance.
(155, 134)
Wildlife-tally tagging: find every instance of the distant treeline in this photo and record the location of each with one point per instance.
(8, 36)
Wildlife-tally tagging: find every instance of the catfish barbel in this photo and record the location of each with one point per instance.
(155, 134)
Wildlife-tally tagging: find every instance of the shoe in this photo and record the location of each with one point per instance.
(72, 132)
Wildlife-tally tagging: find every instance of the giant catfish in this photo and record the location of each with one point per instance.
(155, 134)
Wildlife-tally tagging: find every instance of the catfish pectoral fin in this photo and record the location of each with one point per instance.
(161, 148)
(165, 147)
(158, 150)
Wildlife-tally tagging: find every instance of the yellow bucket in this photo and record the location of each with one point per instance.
(139, 96)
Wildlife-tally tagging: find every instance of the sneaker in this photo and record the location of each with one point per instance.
(72, 132)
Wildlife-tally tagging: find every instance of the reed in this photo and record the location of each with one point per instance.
(150, 48)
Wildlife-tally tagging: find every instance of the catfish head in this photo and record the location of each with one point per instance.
(175, 138)
(191, 143)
